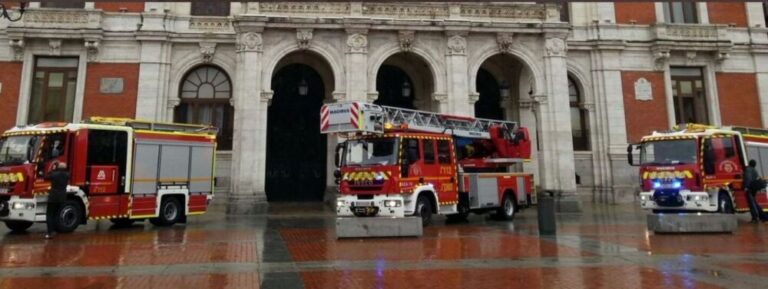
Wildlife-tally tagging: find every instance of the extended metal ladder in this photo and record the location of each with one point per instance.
(153, 125)
(443, 123)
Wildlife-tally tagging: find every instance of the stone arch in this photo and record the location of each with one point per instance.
(520, 52)
(381, 55)
(187, 64)
(582, 81)
(285, 48)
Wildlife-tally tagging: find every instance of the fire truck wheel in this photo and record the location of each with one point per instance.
(424, 210)
(18, 226)
(123, 222)
(69, 217)
(170, 211)
(507, 210)
(724, 204)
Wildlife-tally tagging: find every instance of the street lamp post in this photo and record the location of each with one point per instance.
(4, 12)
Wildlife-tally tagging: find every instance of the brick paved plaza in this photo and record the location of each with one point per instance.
(293, 246)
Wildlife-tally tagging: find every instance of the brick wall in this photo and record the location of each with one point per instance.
(643, 117)
(129, 6)
(639, 12)
(10, 78)
(727, 13)
(739, 100)
(123, 104)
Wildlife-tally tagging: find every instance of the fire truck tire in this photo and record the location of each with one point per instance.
(508, 209)
(724, 203)
(122, 222)
(18, 226)
(170, 212)
(69, 217)
(424, 210)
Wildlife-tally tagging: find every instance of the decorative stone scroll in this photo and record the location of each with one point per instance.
(92, 49)
(457, 45)
(357, 43)
(303, 38)
(18, 48)
(406, 39)
(54, 47)
(249, 41)
(555, 46)
(207, 50)
(660, 58)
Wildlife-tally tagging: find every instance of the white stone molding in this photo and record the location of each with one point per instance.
(588, 106)
(174, 102)
(18, 48)
(661, 58)
(61, 19)
(357, 43)
(266, 96)
(249, 41)
(406, 39)
(303, 38)
(339, 96)
(555, 46)
(526, 103)
(528, 57)
(504, 41)
(207, 50)
(54, 47)
(372, 96)
(441, 97)
(539, 99)
(92, 47)
(297, 8)
(473, 98)
(212, 24)
(457, 45)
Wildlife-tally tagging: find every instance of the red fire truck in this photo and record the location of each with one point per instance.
(699, 168)
(122, 170)
(398, 162)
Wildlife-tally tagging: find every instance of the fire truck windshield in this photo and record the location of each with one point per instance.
(361, 152)
(668, 152)
(16, 150)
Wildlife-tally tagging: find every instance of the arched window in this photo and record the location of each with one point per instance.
(205, 93)
(579, 119)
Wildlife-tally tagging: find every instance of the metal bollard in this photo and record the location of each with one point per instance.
(546, 213)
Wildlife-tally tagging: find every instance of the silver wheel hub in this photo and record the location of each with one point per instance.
(509, 208)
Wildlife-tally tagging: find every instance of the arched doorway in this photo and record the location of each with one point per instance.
(405, 80)
(489, 103)
(296, 151)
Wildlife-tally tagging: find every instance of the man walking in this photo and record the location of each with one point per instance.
(752, 183)
(59, 178)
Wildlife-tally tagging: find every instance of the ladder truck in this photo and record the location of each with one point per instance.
(397, 162)
(121, 170)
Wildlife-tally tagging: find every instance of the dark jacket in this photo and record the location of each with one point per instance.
(59, 180)
(750, 176)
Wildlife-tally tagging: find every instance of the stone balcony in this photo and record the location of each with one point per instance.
(58, 23)
(692, 32)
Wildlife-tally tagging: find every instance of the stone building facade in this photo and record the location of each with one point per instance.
(586, 78)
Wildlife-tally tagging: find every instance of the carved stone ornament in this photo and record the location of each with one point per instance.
(555, 47)
(303, 38)
(18, 48)
(406, 39)
(457, 45)
(690, 56)
(660, 58)
(92, 49)
(357, 42)
(722, 55)
(207, 50)
(249, 41)
(54, 46)
(440, 97)
(504, 40)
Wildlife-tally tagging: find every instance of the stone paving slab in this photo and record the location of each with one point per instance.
(692, 223)
(378, 227)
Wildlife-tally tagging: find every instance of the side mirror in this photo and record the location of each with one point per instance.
(630, 154)
(339, 153)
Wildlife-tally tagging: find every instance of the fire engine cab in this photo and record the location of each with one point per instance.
(399, 162)
(120, 169)
(699, 168)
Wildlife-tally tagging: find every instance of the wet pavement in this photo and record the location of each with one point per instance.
(294, 246)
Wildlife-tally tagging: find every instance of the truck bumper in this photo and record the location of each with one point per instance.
(19, 209)
(691, 201)
(382, 205)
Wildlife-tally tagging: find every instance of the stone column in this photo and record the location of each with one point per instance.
(761, 74)
(154, 67)
(357, 65)
(459, 102)
(609, 124)
(250, 128)
(556, 157)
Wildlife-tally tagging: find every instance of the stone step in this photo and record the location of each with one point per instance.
(362, 227)
(692, 223)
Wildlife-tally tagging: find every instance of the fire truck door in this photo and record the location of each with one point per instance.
(722, 161)
(105, 172)
(447, 172)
